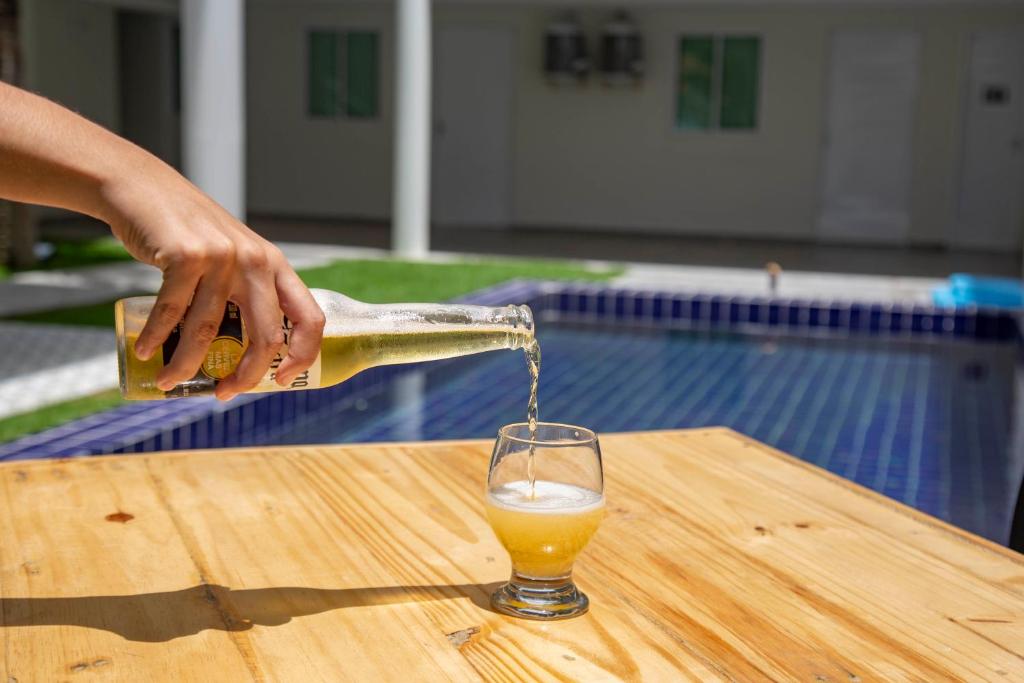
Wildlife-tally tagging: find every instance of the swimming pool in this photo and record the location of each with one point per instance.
(923, 423)
(916, 403)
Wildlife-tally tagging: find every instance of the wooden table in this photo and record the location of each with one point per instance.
(720, 559)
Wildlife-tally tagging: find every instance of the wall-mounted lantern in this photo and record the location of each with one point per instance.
(565, 51)
(622, 51)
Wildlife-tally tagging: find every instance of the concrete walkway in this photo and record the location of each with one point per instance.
(791, 284)
(45, 364)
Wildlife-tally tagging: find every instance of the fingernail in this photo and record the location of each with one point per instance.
(143, 352)
(285, 380)
(164, 384)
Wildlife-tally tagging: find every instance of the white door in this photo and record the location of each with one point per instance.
(872, 96)
(991, 208)
(472, 131)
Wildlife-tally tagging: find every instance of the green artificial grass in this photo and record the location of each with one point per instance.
(92, 315)
(370, 281)
(76, 253)
(44, 418)
(397, 281)
(73, 254)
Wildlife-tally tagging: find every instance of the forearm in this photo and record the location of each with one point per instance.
(50, 155)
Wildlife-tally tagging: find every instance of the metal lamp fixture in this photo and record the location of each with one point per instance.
(565, 51)
(622, 60)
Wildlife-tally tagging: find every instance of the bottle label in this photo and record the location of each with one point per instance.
(226, 352)
(307, 379)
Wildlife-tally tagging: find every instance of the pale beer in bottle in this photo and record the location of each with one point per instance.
(357, 336)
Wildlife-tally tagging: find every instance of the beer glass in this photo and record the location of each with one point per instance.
(545, 525)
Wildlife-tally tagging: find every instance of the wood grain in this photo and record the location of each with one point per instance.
(720, 559)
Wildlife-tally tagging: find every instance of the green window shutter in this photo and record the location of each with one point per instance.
(740, 74)
(696, 59)
(323, 73)
(361, 74)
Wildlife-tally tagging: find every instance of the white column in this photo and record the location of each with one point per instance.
(213, 99)
(407, 398)
(410, 214)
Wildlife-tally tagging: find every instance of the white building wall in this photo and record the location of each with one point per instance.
(303, 166)
(588, 157)
(71, 57)
(150, 117)
(607, 157)
(611, 158)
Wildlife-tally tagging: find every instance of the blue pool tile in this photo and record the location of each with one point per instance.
(875, 319)
(714, 312)
(856, 317)
(896, 320)
(793, 318)
(833, 317)
(620, 306)
(679, 311)
(658, 308)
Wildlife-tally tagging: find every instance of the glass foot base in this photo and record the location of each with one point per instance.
(539, 599)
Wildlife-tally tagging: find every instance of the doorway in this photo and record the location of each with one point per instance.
(872, 97)
(472, 129)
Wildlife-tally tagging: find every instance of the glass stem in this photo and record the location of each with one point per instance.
(550, 585)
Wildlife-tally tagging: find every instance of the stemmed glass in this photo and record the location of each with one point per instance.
(544, 512)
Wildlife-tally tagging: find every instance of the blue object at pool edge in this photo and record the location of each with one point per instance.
(972, 290)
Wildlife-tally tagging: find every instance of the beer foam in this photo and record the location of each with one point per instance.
(550, 497)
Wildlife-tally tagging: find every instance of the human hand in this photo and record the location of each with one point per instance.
(51, 156)
(208, 258)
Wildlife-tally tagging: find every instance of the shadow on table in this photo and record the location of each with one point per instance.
(158, 617)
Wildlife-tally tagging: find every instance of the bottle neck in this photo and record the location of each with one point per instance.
(348, 317)
(386, 334)
(519, 320)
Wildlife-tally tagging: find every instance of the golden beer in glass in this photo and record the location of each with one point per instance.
(544, 513)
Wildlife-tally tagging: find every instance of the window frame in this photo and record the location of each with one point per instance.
(718, 68)
(342, 114)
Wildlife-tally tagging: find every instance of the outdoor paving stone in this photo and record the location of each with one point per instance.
(42, 364)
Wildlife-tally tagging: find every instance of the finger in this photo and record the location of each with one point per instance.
(308, 325)
(169, 309)
(202, 322)
(262, 317)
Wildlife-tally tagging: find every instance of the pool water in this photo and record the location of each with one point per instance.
(928, 424)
